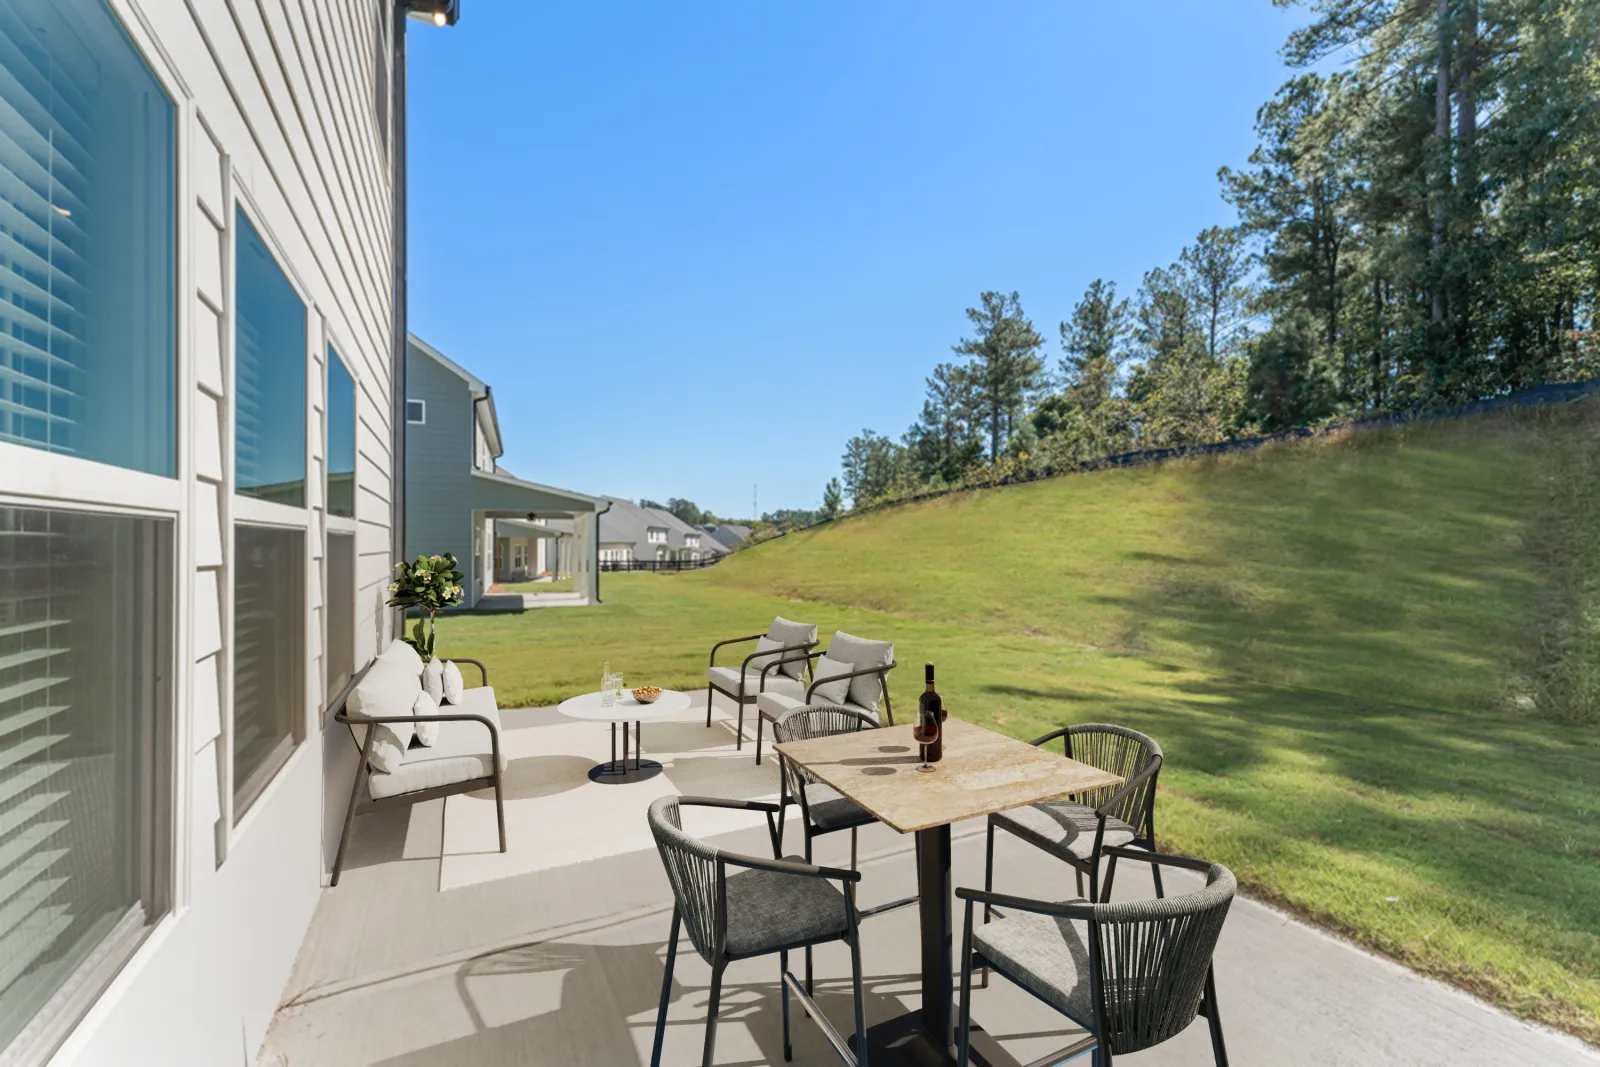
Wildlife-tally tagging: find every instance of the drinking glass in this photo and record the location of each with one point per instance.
(925, 734)
(608, 692)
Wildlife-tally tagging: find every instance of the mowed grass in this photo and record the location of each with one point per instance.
(1330, 641)
(554, 585)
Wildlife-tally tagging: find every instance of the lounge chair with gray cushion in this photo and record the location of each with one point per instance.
(778, 665)
(1079, 829)
(462, 752)
(735, 907)
(853, 673)
(1133, 975)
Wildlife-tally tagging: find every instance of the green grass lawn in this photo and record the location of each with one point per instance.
(1366, 659)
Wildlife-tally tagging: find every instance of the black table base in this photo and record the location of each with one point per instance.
(620, 773)
(901, 1042)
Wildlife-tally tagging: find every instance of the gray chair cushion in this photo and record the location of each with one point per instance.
(1062, 828)
(867, 688)
(773, 706)
(768, 910)
(787, 633)
(831, 811)
(462, 752)
(1047, 956)
(727, 680)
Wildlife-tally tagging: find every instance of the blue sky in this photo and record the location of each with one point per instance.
(695, 247)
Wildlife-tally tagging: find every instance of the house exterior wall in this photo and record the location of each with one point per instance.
(440, 455)
(274, 115)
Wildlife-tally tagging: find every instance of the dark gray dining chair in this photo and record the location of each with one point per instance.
(763, 906)
(1132, 975)
(1078, 830)
(822, 809)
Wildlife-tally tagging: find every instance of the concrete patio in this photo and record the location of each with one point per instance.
(553, 954)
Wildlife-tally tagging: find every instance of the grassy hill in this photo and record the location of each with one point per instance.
(1370, 658)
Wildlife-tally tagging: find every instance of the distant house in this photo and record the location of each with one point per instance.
(457, 496)
(629, 532)
(527, 548)
(727, 534)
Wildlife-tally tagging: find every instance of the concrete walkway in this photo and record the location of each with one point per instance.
(564, 965)
(491, 603)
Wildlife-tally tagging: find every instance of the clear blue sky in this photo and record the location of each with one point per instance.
(694, 247)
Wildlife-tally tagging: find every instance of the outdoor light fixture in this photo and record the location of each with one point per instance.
(438, 12)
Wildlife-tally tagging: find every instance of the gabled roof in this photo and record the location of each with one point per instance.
(628, 523)
(482, 395)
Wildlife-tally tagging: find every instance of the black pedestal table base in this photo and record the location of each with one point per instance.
(620, 773)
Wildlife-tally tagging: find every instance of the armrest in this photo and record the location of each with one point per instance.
(732, 641)
(882, 670)
(1066, 909)
(794, 867)
(726, 802)
(1129, 786)
(476, 663)
(1051, 736)
(359, 719)
(1161, 858)
(781, 652)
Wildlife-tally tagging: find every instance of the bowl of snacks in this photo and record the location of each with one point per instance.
(647, 694)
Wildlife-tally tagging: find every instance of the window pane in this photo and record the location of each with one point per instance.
(86, 239)
(341, 610)
(270, 358)
(84, 631)
(341, 438)
(269, 654)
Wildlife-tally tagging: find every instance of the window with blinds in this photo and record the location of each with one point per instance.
(85, 634)
(341, 438)
(269, 674)
(269, 375)
(86, 239)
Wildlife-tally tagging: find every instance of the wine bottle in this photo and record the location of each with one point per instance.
(930, 719)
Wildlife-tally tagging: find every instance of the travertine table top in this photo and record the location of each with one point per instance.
(982, 772)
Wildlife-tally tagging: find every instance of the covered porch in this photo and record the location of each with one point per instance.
(558, 530)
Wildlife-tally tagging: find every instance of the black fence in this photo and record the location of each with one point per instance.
(658, 564)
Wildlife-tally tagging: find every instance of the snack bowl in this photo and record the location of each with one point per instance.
(647, 694)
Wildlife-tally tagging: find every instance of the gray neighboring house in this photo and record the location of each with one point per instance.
(630, 532)
(727, 534)
(456, 494)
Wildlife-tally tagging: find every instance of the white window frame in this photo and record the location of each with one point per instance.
(655, 535)
(253, 511)
(334, 347)
(422, 405)
(36, 478)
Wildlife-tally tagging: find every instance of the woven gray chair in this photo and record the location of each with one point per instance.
(822, 809)
(775, 905)
(1080, 829)
(1133, 975)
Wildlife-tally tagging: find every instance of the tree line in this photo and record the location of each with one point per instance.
(1418, 228)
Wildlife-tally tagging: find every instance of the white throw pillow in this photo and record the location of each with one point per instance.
(388, 688)
(454, 684)
(867, 688)
(433, 679)
(788, 632)
(427, 732)
(831, 692)
(769, 646)
(400, 652)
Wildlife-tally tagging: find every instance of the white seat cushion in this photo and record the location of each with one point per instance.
(461, 753)
(727, 679)
(867, 688)
(773, 706)
(787, 632)
(388, 688)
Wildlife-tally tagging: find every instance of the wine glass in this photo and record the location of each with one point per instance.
(925, 733)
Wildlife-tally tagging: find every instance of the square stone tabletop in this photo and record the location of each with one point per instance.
(982, 772)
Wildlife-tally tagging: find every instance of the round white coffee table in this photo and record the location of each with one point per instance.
(669, 705)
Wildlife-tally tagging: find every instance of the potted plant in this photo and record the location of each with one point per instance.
(431, 584)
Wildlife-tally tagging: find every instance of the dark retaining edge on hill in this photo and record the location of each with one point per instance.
(1539, 396)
